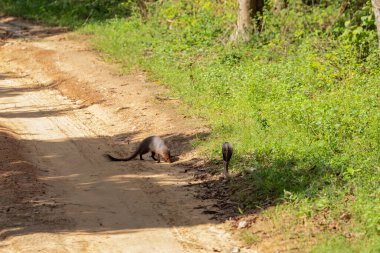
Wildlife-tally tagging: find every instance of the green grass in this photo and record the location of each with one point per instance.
(339, 244)
(300, 102)
(66, 12)
(250, 238)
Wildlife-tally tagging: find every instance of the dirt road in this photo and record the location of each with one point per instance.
(66, 108)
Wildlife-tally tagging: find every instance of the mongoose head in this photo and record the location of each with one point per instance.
(167, 156)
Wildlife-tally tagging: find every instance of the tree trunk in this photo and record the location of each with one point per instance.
(248, 10)
(256, 7)
(376, 10)
(143, 9)
(244, 22)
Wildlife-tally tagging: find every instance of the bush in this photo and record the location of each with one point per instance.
(68, 12)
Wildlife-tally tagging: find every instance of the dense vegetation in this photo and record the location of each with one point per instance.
(67, 12)
(299, 101)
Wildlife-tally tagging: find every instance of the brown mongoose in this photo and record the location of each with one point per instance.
(152, 144)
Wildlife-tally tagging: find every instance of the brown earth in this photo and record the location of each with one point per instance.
(61, 108)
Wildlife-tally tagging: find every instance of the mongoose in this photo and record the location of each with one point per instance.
(227, 153)
(152, 144)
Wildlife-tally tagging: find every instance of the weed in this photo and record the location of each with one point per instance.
(249, 238)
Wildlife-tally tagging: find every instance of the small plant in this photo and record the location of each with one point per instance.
(249, 238)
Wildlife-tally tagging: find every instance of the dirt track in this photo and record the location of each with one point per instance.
(67, 108)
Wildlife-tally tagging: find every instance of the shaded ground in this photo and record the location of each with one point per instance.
(24, 199)
(66, 108)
